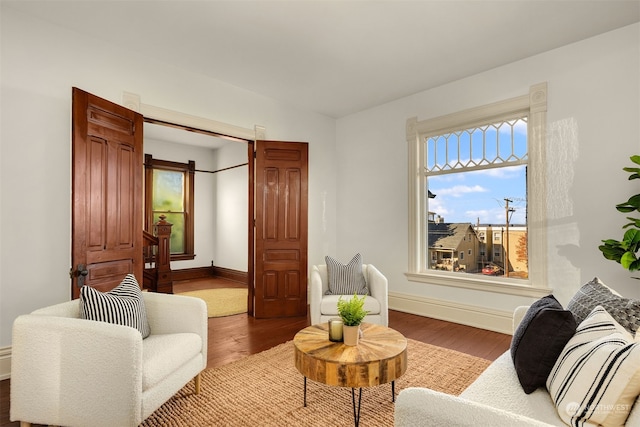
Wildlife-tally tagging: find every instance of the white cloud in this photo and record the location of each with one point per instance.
(460, 190)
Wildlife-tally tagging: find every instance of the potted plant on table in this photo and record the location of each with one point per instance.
(351, 312)
(625, 251)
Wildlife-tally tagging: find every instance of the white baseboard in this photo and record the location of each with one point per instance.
(5, 363)
(470, 315)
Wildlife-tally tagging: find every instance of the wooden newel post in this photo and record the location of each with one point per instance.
(162, 230)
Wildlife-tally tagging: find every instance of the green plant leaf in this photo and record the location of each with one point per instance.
(635, 222)
(630, 205)
(628, 259)
(631, 237)
(352, 310)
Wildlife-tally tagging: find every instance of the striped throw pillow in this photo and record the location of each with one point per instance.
(596, 378)
(123, 305)
(346, 279)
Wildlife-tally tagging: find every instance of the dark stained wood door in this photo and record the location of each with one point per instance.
(281, 207)
(107, 193)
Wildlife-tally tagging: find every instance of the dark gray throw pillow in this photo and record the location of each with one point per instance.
(538, 341)
(625, 311)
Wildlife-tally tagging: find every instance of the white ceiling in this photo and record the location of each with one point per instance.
(337, 57)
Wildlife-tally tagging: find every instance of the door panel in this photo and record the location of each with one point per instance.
(280, 276)
(107, 192)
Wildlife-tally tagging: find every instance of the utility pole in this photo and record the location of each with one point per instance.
(507, 210)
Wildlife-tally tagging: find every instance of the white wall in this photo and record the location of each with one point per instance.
(593, 125)
(40, 65)
(232, 205)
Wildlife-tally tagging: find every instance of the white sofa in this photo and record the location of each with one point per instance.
(495, 399)
(323, 307)
(69, 371)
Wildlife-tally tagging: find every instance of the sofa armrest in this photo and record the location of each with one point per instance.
(379, 288)
(518, 315)
(315, 295)
(424, 407)
(63, 369)
(169, 314)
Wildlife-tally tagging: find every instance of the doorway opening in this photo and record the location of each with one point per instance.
(207, 202)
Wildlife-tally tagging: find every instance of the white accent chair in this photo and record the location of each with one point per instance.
(69, 371)
(323, 307)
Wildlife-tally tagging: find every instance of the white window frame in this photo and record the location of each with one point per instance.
(534, 105)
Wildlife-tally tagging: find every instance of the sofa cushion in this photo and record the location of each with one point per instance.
(329, 305)
(538, 341)
(164, 353)
(596, 378)
(498, 387)
(346, 279)
(123, 305)
(625, 311)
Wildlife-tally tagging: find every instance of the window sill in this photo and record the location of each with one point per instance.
(507, 286)
(182, 257)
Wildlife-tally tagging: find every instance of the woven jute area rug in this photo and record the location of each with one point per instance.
(222, 301)
(266, 390)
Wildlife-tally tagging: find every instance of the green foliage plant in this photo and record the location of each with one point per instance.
(625, 252)
(352, 310)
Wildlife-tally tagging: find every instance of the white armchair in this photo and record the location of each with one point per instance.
(323, 307)
(75, 372)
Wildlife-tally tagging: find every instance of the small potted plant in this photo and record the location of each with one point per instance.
(352, 312)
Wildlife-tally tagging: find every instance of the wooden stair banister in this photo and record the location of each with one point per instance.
(157, 252)
(162, 230)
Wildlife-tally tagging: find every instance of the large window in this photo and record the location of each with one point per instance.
(477, 184)
(169, 192)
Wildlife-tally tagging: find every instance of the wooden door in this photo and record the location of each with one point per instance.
(280, 273)
(107, 193)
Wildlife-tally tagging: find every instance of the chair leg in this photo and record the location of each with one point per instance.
(25, 424)
(197, 383)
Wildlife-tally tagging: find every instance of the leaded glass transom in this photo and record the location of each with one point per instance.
(491, 145)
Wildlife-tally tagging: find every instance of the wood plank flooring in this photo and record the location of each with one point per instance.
(234, 337)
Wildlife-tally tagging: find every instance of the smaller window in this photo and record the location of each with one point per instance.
(169, 191)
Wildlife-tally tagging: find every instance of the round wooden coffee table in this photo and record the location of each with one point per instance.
(379, 358)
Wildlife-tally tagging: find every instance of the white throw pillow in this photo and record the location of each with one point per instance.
(596, 379)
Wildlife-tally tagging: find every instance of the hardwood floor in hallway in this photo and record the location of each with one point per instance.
(237, 336)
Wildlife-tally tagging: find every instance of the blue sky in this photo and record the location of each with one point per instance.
(465, 197)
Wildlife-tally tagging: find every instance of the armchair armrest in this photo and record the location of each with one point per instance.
(424, 407)
(65, 369)
(379, 288)
(315, 295)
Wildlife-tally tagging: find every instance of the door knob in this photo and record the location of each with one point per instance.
(81, 273)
